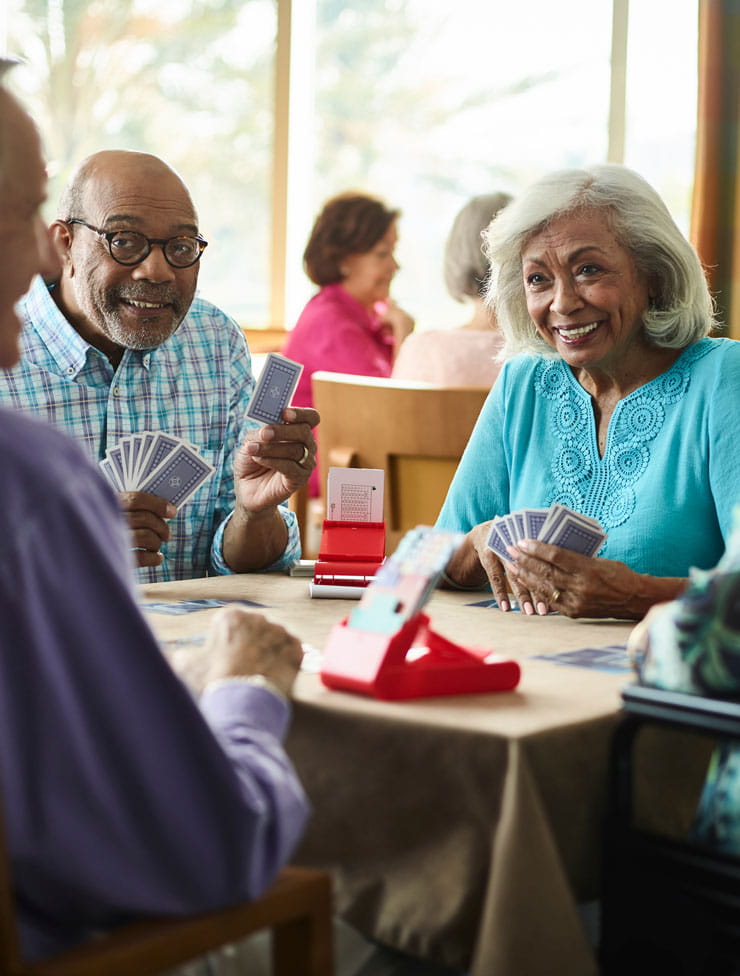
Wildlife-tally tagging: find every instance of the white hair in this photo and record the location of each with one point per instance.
(682, 311)
(466, 266)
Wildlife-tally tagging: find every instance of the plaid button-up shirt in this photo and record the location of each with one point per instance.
(196, 385)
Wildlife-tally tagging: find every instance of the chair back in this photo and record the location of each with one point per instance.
(296, 909)
(415, 432)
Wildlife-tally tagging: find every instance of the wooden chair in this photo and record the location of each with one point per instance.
(297, 908)
(415, 432)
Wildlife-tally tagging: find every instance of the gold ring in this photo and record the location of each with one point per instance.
(303, 457)
(555, 595)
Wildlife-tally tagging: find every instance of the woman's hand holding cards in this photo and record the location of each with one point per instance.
(474, 563)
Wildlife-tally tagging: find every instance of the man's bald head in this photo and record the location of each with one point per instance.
(118, 306)
(115, 166)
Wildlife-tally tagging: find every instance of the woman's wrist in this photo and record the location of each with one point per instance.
(650, 590)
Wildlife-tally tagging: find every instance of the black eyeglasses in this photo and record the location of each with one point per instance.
(129, 247)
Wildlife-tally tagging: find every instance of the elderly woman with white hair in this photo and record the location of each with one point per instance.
(613, 400)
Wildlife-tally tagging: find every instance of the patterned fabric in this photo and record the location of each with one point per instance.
(196, 385)
(580, 479)
(694, 646)
(665, 487)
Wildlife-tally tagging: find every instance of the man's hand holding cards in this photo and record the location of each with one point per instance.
(156, 463)
(156, 473)
(276, 459)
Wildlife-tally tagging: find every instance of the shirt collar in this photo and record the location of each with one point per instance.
(66, 346)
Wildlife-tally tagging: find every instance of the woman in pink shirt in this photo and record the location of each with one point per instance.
(351, 325)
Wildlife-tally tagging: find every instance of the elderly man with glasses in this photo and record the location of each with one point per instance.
(120, 344)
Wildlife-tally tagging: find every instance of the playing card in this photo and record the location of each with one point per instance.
(512, 527)
(355, 494)
(178, 476)
(554, 513)
(158, 463)
(558, 525)
(497, 542)
(162, 446)
(145, 442)
(534, 519)
(274, 390)
(110, 472)
(555, 517)
(116, 466)
(503, 530)
(575, 534)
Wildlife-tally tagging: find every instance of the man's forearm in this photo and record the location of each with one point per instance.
(254, 540)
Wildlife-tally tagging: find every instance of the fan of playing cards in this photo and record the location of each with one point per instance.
(158, 463)
(558, 525)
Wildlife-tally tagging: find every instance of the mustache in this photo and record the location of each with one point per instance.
(163, 294)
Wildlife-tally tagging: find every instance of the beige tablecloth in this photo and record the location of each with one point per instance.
(462, 829)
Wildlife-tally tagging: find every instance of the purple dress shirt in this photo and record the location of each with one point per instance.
(121, 796)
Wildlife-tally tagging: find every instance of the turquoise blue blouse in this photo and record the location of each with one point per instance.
(665, 488)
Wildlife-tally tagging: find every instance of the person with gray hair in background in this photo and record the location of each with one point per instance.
(612, 401)
(465, 355)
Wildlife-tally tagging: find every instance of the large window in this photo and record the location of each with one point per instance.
(267, 107)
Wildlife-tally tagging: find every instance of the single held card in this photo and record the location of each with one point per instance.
(158, 463)
(274, 389)
(558, 525)
(355, 494)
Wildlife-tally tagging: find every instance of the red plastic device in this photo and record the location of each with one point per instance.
(376, 664)
(350, 553)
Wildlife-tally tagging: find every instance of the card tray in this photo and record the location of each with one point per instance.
(349, 553)
(379, 665)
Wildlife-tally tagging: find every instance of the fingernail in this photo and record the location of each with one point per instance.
(289, 415)
(512, 551)
(504, 605)
(524, 544)
(528, 608)
(170, 511)
(267, 434)
(542, 609)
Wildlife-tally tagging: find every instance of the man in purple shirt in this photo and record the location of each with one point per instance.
(122, 796)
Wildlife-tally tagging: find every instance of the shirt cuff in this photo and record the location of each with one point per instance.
(290, 554)
(258, 680)
(231, 703)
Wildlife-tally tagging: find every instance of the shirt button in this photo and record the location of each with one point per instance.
(116, 391)
(70, 370)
